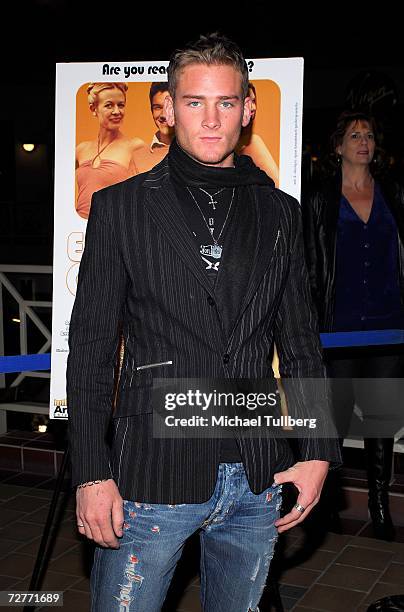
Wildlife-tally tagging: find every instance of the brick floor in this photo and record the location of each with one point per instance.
(320, 572)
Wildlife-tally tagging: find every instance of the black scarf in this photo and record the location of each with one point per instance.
(187, 171)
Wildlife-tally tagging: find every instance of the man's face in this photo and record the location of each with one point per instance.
(157, 108)
(208, 112)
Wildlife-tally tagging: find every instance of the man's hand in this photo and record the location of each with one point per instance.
(99, 508)
(308, 478)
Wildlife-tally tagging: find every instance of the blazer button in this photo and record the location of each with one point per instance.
(211, 301)
(226, 358)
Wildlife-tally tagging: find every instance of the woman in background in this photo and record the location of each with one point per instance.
(354, 234)
(108, 159)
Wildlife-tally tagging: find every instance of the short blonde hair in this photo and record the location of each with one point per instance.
(210, 50)
(94, 89)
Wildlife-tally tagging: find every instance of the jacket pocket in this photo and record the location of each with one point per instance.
(135, 388)
(142, 375)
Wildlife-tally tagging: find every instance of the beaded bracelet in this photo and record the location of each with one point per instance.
(91, 483)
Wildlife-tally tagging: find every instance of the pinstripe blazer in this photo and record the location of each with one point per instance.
(142, 276)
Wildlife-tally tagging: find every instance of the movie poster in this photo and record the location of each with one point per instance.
(95, 101)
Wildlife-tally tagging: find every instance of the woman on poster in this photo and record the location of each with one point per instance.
(109, 158)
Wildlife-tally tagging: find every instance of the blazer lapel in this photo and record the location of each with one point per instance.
(248, 245)
(248, 248)
(161, 202)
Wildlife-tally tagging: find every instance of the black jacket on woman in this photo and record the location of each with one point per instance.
(320, 220)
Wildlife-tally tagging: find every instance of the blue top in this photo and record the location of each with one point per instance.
(367, 295)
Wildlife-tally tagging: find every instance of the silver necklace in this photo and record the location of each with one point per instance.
(212, 201)
(216, 248)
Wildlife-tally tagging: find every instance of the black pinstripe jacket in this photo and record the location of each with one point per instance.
(141, 275)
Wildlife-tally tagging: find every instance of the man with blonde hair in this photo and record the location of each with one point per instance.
(199, 265)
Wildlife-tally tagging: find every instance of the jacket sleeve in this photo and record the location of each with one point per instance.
(310, 232)
(93, 345)
(300, 357)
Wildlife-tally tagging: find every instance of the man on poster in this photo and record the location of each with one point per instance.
(198, 265)
(146, 157)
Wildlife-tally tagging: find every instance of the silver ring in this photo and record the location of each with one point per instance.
(80, 525)
(300, 508)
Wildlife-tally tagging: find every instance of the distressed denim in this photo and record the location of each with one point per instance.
(237, 536)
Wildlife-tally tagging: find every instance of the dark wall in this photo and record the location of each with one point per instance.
(336, 48)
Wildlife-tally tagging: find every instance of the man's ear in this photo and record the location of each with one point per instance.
(246, 112)
(169, 111)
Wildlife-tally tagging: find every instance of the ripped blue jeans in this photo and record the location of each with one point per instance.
(237, 536)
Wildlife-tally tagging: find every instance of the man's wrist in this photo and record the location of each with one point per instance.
(90, 483)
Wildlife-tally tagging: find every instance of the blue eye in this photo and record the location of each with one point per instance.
(194, 104)
(227, 104)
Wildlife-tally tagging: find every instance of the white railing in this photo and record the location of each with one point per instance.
(26, 310)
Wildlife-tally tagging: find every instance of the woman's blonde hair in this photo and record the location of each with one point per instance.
(94, 89)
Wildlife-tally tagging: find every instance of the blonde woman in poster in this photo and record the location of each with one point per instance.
(109, 158)
(253, 145)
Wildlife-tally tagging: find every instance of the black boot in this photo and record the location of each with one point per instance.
(379, 453)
